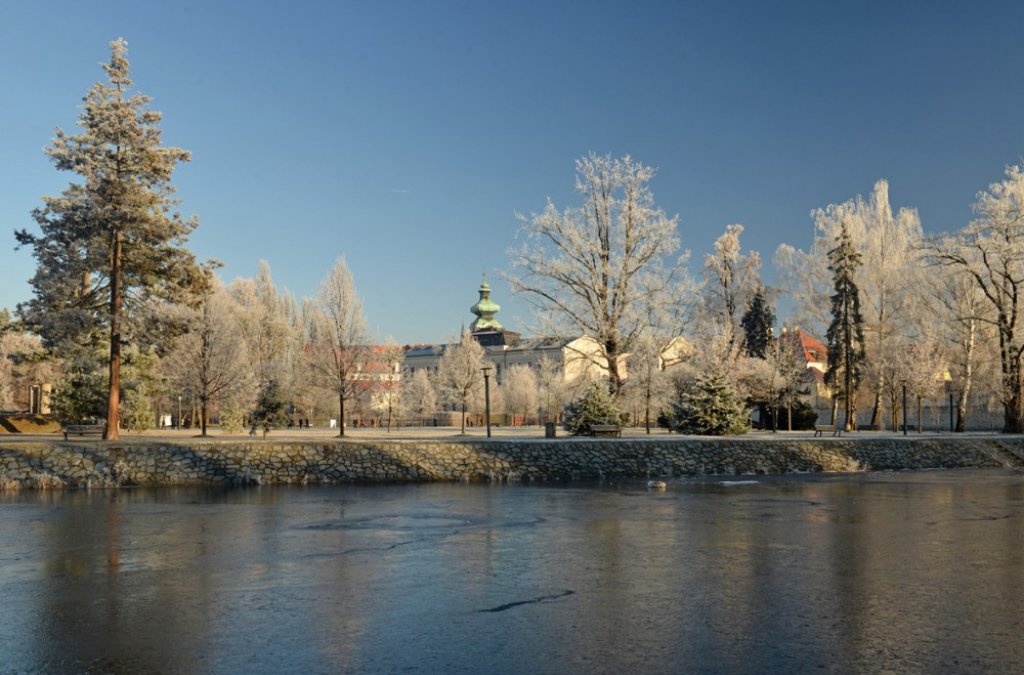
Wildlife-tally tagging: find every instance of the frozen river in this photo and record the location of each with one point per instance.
(906, 572)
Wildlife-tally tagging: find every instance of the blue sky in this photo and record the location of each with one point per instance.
(406, 135)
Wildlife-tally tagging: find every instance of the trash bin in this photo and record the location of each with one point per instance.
(549, 430)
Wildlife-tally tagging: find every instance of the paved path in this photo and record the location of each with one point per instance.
(438, 433)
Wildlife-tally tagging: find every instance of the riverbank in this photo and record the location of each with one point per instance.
(45, 463)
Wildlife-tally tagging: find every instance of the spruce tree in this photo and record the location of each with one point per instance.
(111, 241)
(757, 322)
(712, 408)
(845, 334)
(596, 406)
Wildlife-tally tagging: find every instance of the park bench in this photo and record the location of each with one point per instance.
(822, 429)
(83, 430)
(605, 430)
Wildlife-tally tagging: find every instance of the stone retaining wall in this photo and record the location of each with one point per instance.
(141, 462)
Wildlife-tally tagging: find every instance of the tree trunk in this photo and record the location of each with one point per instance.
(341, 414)
(919, 428)
(614, 380)
(647, 408)
(968, 378)
(1013, 415)
(876, 408)
(961, 408)
(116, 304)
(202, 413)
(463, 415)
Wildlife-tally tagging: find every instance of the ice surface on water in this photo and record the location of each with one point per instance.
(906, 572)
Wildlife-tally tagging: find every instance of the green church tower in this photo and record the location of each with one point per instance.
(487, 330)
(485, 309)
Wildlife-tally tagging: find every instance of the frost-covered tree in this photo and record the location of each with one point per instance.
(338, 338)
(730, 282)
(991, 251)
(23, 363)
(845, 334)
(418, 396)
(520, 391)
(599, 268)
(459, 372)
(211, 359)
(552, 389)
(389, 388)
(786, 356)
(270, 325)
(111, 241)
(647, 388)
(889, 278)
(957, 306)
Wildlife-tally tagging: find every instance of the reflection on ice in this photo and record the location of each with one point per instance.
(900, 572)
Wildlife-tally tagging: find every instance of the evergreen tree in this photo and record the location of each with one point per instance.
(757, 324)
(711, 408)
(270, 407)
(596, 406)
(845, 334)
(79, 394)
(112, 241)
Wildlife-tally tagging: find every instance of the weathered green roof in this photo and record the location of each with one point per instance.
(485, 309)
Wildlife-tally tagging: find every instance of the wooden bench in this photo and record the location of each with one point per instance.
(83, 430)
(822, 429)
(605, 430)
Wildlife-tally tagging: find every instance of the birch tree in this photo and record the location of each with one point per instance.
(990, 250)
(598, 268)
(338, 338)
(958, 306)
(112, 241)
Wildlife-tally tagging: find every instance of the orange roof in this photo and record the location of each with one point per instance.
(813, 349)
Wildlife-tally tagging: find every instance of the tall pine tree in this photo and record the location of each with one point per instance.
(757, 323)
(111, 241)
(845, 334)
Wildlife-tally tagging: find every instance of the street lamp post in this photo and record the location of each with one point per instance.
(487, 398)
